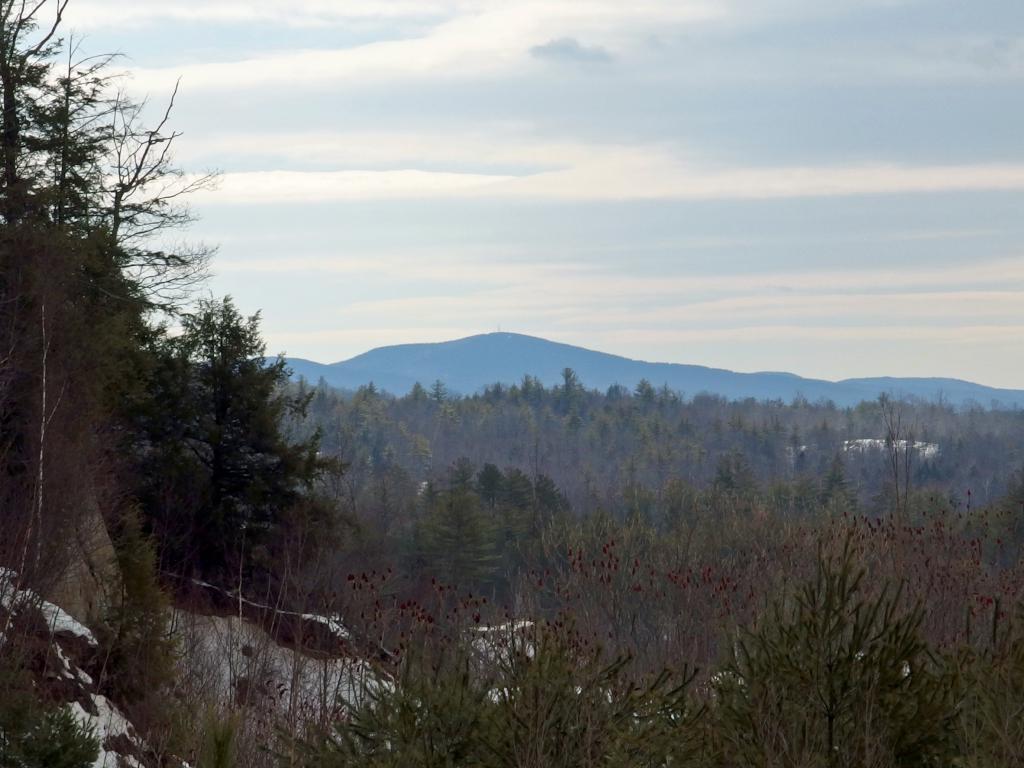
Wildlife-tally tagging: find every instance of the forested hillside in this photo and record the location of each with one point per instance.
(638, 451)
(205, 563)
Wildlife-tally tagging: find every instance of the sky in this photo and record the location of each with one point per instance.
(834, 189)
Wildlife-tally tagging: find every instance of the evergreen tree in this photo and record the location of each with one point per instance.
(458, 540)
(33, 737)
(645, 393)
(836, 677)
(517, 491)
(219, 468)
(570, 392)
(438, 391)
(733, 474)
(489, 483)
(417, 394)
(835, 488)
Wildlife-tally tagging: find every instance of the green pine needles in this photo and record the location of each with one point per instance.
(837, 676)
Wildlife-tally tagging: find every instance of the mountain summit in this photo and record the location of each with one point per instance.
(468, 365)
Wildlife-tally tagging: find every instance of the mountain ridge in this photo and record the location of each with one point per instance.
(469, 364)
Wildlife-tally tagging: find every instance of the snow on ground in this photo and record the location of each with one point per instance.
(61, 622)
(57, 619)
(108, 723)
(333, 624)
(512, 626)
(234, 660)
(499, 642)
(69, 671)
(864, 444)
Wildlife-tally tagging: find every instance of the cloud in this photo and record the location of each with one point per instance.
(484, 146)
(543, 278)
(615, 174)
(570, 49)
(99, 14)
(652, 174)
(276, 187)
(515, 161)
(477, 40)
(963, 335)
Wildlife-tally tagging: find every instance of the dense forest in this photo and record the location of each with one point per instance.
(649, 441)
(205, 563)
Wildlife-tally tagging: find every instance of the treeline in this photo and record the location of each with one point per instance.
(641, 452)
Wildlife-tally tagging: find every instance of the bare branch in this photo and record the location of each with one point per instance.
(61, 6)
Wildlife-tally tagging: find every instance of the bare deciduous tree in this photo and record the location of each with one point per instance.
(146, 195)
(900, 447)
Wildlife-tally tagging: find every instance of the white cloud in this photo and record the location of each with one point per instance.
(640, 176)
(999, 279)
(668, 49)
(941, 313)
(615, 174)
(782, 334)
(561, 169)
(94, 14)
(581, 297)
(487, 145)
(939, 308)
(480, 39)
(290, 187)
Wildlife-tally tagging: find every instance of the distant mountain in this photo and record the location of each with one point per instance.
(468, 365)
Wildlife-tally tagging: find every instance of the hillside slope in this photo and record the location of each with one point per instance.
(467, 365)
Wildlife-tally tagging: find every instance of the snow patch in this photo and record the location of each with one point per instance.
(70, 671)
(512, 626)
(333, 624)
(867, 444)
(63, 623)
(235, 661)
(108, 723)
(501, 641)
(57, 619)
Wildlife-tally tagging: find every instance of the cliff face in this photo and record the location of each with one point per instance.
(90, 575)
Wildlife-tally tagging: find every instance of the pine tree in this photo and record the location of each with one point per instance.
(489, 483)
(438, 391)
(218, 469)
(836, 677)
(569, 394)
(835, 489)
(458, 540)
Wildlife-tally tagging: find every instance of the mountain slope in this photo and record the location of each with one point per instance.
(467, 365)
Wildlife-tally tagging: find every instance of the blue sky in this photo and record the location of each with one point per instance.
(834, 189)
